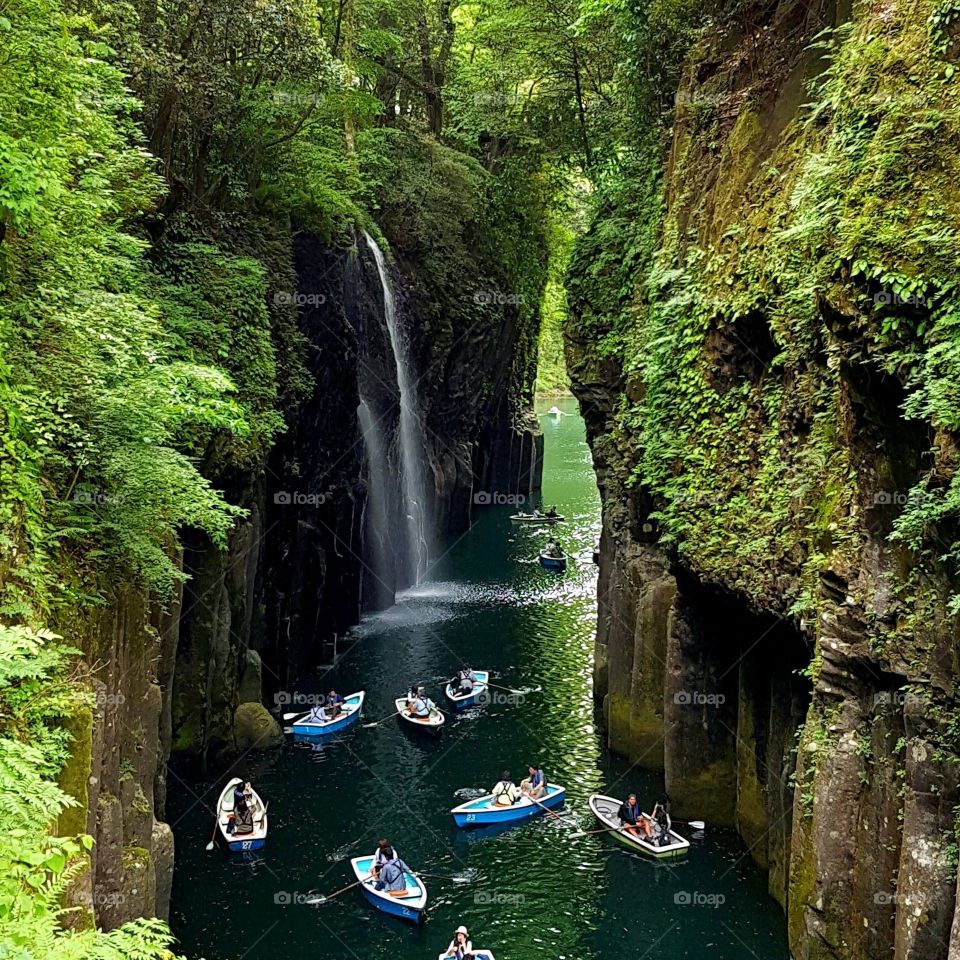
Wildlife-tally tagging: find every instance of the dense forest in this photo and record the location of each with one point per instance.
(734, 222)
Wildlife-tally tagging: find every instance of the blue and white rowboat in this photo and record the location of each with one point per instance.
(408, 907)
(352, 707)
(461, 701)
(483, 811)
(550, 562)
(246, 841)
(476, 955)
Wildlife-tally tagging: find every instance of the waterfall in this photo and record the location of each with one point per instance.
(376, 520)
(412, 486)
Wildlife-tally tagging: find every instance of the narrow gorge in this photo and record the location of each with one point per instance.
(279, 287)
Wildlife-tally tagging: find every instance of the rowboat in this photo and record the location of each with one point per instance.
(352, 707)
(461, 701)
(476, 955)
(431, 723)
(409, 907)
(246, 841)
(549, 562)
(483, 811)
(606, 810)
(537, 518)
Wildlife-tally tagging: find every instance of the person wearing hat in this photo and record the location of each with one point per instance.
(460, 945)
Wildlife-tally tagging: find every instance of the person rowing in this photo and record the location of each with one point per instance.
(420, 706)
(505, 793)
(318, 714)
(382, 854)
(392, 875)
(551, 513)
(534, 785)
(334, 704)
(463, 682)
(661, 821)
(632, 819)
(553, 549)
(460, 946)
(243, 805)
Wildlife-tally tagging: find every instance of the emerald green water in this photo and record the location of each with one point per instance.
(528, 891)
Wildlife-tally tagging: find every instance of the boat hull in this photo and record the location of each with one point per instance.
(476, 955)
(248, 842)
(480, 812)
(407, 908)
(353, 704)
(603, 808)
(433, 725)
(527, 518)
(558, 564)
(479, 690)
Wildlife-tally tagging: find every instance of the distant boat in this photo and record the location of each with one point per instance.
(555, 412)
(476, 955)
(607, 811)
(352, 706)
(537, 517)
(483, 811)
(549, 562)
(430, 723)
(461, 701)
(235, 842)
(409, 907)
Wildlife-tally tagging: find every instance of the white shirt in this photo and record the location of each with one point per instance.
(452, 949)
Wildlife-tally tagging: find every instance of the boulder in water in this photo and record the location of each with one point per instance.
(255, 729)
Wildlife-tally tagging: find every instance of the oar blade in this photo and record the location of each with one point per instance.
(697, 824)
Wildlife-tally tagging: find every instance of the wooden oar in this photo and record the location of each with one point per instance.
(545, 807)
(443, 876)
(508, 689)
(336, 893)
(299, 713)
(376, 723)
(216, 825)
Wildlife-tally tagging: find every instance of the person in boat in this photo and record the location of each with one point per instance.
(505, 793)
(463, 682)
(334, 704)
(661, 822)
(242, 812)
(420, 706)
(318, 714)
(380, 856)
(535, 785)
(460, 945)
(391, 876)
(552, 513)
(553, 549)
(632, 819)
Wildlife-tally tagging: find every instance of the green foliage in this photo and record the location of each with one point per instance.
(35, 867)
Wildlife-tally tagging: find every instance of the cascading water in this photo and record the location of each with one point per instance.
(377, 549)
(409, 437)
